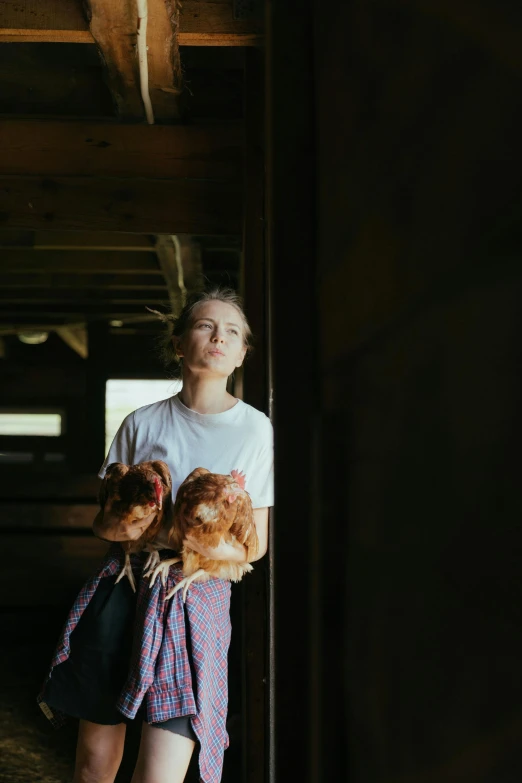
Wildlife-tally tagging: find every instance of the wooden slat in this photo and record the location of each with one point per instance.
(201, 23)
(113, 24)
(111, 150)
(41, 515)
(86, 240)
(83, 300)
(74, 263)
(141, 205)
(75, 311)
(48, 488)
(109, 282)
(85, 37)
(43, 15)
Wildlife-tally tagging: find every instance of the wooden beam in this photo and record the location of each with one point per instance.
(201, 23)
(56, 282)
(114, 24)
(48, 515)
(80, 299)
(77, 240)
(169, 258)
(141, 205)
(88, 149)
(75, 339)
(83, 263)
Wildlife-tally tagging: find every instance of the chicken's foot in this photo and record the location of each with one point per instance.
(152, 562)
(185, 584)
(162, 570)
(127, 571)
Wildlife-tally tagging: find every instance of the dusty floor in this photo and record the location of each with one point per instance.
(31, 750)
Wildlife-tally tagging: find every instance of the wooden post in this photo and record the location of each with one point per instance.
(256, 393)
(295, 356)
(93, 449)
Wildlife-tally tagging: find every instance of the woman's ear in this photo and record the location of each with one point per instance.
(176, 342)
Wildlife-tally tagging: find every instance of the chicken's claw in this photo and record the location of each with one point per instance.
(162, 570)
(127, 571)
(184, 584)
(151, 563)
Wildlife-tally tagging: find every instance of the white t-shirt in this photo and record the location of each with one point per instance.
(240, 438)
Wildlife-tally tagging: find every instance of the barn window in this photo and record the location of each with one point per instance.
(124, 396)
(31, 423)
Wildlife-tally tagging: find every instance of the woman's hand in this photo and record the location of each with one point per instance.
(233, 552)
(112, 528)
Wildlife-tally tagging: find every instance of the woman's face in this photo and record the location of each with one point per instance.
(213, 343)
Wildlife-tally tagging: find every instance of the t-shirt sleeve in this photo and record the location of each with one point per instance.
(261, 485)
(122, 447)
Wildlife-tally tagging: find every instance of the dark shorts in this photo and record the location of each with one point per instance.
(87, 685)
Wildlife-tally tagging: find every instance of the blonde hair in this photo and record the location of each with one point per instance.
(177, 326)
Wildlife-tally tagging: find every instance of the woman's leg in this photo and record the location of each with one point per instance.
(164, 756)
(99, 752)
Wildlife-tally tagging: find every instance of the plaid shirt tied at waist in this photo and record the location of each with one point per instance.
(160, 675)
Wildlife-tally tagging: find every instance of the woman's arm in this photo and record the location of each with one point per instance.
(236, 552)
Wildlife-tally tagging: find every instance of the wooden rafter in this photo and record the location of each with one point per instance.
(78, 176)
(114, 24)
(159, 206)
(201, 23)
(83, 148)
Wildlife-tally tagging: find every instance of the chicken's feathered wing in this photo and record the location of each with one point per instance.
(212, 508)
(130, 493)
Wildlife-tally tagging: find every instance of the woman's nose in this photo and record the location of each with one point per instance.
(218, 336)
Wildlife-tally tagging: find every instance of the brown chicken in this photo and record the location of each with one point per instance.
(129, 493)
(211, 508)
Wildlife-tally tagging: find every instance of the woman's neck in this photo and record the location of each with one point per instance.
(206, 395)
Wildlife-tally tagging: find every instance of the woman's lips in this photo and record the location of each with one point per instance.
(216, 353)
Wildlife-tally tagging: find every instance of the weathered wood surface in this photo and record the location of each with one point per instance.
(73, 283)
(142, 205)
(114, 24)
(48, 489)
(44, 515)
(90, 149)
(77, 240)
(201, 23)
(71, 263)
(256, 392)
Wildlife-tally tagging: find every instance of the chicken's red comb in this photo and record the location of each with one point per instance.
(239, 476)
(159, 490)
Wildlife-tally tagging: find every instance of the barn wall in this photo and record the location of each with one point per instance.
(420, 285)
(48, 505)
(398, 498)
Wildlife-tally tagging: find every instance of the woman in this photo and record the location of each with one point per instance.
(176, 676)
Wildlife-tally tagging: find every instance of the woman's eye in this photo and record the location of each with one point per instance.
(234, 331)
(205, 325)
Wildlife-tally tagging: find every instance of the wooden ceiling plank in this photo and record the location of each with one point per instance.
(113, 24)
(158, 206)
(82, 148)
(91, 240)
(43, 15)
(58, 281)
(71, 262)
(23, 35)
(201, 23)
